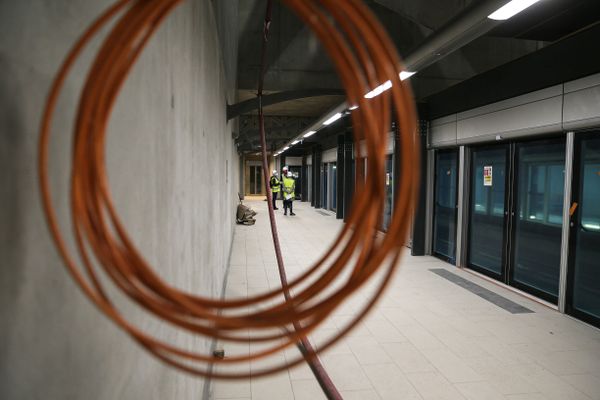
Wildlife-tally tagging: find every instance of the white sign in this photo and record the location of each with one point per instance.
(487, 175)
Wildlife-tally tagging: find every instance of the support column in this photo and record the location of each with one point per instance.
(316, 159)
(463, 206)
(419, 221)
(430, 178)
(349, 171)
(339, 171)
(564, 254)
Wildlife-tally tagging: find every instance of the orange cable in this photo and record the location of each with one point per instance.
(363, 56)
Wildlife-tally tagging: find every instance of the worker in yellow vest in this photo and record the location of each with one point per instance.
(289, 190)
(275, 185)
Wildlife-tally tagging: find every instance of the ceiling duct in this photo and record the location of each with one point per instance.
(467, 26)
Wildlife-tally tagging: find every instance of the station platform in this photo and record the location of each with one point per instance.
(438, 333)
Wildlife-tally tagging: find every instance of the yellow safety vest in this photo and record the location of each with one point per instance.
(275, 184)
(289, 186)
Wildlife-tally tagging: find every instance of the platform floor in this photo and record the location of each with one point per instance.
(429, 338)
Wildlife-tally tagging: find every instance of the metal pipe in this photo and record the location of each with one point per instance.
(470, 24)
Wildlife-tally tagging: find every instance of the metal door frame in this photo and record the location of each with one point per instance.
(433, 214)
(572, 243)
(505, 245)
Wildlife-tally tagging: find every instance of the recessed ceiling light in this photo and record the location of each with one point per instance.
(309, 133)
(406, 74)
(379, 89)
(332, 119)
(510, 9)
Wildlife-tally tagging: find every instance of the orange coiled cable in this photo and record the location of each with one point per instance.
(364, 57)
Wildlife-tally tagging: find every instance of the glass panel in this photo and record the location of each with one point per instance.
(389, 188)
(252, 180)
(444, 227)
(538, 227)
(488, 176)
(586, 288)
(259, 188)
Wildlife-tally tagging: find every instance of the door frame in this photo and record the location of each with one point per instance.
(435, 164)
(513, 211)
(508, 147)
(261, 188)
(573, 234)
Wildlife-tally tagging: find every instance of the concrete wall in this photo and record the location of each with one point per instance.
(174, 176)
(555, 109)
(227, 15)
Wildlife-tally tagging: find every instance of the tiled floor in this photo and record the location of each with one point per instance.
(427, 339)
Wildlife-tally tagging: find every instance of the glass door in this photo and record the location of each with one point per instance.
(255, 180)
(487, 223)
(516, 207)
(389, 192)
(446, 203)
(583, 298)
(537, 217)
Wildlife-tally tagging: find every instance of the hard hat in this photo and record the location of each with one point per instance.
(274, 172)
(289, 175)
(285, 168)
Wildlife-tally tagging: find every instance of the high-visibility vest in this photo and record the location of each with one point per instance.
(289, 188)
(275, 184)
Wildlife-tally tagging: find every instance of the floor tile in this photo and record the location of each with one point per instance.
(452, 367)
(478, 391)
(360, 395)
(408, 358)
(346, 372)
(307, 390)
(390, 383)
(432, 385)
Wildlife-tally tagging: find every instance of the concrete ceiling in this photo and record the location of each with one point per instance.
(296, 61)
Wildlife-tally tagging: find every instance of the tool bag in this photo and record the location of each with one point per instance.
(244, 215)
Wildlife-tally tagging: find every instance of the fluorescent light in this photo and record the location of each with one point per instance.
(285, 148)
(309, 133)
(406, 74)
(295, 142)
(332, 119)
(353, 107)
(379, 89)
(512, 8)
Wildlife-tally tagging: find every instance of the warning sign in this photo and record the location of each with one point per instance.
(487, 175)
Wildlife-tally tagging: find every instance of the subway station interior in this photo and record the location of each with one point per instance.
(464, 191)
